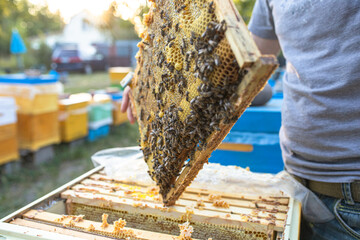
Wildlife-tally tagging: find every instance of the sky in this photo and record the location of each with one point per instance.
(69, 8)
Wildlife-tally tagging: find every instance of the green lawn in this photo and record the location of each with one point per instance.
(31, 182)
(83, 83)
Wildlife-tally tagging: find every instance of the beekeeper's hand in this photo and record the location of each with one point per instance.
(126, 105)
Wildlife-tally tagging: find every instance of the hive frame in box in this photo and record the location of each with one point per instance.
(254, 69)
(291, 231)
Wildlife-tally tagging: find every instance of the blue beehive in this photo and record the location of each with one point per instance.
(95, 134)
(254, 140)
(261, 119)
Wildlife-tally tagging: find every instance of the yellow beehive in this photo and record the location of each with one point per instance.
(118, 73)
(118, 116)
(38, 130)
(33, 98)
(73, 118)
(8, 131)
(99, 109)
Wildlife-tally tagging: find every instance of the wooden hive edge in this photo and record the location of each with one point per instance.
(237, 34)
(55, 229)
(83, 225)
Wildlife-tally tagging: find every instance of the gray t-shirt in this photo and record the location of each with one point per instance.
(320, 133)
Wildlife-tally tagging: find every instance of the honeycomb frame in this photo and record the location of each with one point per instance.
(197, 70)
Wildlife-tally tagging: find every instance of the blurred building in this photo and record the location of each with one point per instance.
(83, 31)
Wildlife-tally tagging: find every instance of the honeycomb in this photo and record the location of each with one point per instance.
(185, 90)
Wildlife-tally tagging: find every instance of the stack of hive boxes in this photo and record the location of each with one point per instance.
(254, 140)
(8, 130)
(73, 118)
(37, 101)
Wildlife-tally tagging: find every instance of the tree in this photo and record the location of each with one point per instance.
(119, 29)
(29, 19)
(245, 8)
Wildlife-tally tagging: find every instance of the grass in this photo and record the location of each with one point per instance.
(31, 182)
(8, 62)
(83, 83)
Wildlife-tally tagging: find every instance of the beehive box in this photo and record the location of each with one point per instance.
(117, 74)
(73, 117)
(118, 116)
(251, 143)
(95, 134)
(38, 130)
(254, 118)
(100, 109)
(259, 151)
(73, 208)
(8, 130)
(33, 95)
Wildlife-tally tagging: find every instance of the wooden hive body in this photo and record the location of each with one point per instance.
(247, 217)
(82, 203)
(73, 119)
(38, 130)
(8, 143)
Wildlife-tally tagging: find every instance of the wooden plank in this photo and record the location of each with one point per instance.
(55, 229)
(17, 232)
(84, 225)
(237, 34)
(175, 212)
(236, 147)
(292, 228)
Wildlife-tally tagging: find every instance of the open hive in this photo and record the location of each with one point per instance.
(214, 215)
(198, 69)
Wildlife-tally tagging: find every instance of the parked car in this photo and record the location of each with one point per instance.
(81, 60)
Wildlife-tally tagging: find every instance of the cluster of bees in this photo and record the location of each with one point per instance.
(169, 142)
